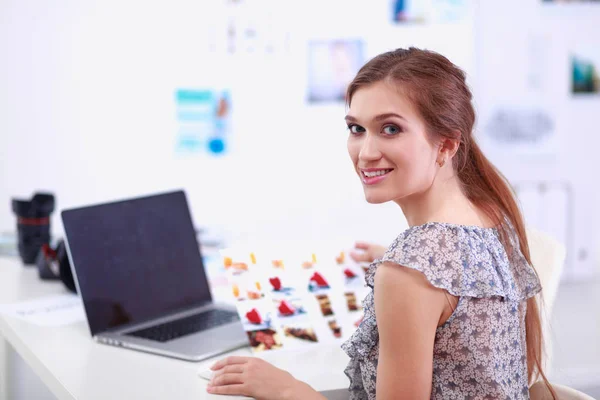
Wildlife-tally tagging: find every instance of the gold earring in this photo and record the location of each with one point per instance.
(441, 163)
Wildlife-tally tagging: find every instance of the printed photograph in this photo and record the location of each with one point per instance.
(299, 334)
(336, 329)
(352, 273)
(351, 302)
(318, 282)
(247, 288)
(324, 304)
(256, 315)
(279, 285)
(264, 339)
(288, 308)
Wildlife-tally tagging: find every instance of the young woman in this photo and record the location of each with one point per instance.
(452, 313)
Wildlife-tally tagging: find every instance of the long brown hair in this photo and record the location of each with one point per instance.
(439, 91)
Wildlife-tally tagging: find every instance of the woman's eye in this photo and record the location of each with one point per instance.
(391, 130)
(356, 129)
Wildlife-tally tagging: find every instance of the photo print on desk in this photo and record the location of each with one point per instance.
(244, 276)
(256, 315)
(260, 325)
(264, 339)
(352, 273)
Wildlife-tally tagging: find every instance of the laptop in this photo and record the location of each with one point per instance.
(138, 269)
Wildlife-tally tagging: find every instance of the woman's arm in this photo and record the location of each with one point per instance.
(408, 310)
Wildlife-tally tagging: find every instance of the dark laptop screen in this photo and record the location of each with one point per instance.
(135, 259)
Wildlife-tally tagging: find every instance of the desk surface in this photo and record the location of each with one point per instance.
(73, 366)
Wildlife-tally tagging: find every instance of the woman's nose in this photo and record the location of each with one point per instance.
(369, 150)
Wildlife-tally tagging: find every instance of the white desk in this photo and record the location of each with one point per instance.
(73, 366)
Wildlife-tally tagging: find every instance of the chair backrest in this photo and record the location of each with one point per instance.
(539, 391)
(548, 259)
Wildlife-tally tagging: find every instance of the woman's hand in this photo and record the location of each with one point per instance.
(370, 252)
(253, 377)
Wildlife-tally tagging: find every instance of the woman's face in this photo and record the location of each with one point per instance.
(388, 144)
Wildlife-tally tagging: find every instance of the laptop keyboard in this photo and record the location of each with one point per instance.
(186, 326)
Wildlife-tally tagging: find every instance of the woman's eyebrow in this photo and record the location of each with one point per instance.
(379, 117)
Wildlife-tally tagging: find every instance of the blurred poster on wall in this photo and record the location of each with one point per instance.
(520, 116)
(404, 11)
(585, 69)
(436, 11)
(203, 121)
(522, 129)
(332, 64)
(243, 27)
(571, 1)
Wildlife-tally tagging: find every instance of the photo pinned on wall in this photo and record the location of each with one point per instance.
(407, 11)
(203, 121)
(332, 64)
(448, 11)
(520, 127)
(570, 1)
(430, 11)
(245, 29)
(585, 69)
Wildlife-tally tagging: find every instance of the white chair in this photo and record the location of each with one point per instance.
(539, 391)
(548, 259)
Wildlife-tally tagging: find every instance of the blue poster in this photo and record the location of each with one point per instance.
(203, 117)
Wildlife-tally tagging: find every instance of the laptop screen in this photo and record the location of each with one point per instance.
(135, 259)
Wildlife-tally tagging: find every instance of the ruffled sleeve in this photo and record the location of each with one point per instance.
(465, 261)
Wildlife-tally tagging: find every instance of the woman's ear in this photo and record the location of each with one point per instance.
(448, 147)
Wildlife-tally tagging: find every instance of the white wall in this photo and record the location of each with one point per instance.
(521, 39)
(87, 112)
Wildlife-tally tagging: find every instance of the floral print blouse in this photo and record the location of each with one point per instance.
(480, 352)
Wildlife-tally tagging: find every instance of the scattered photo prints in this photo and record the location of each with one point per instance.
(296, 301)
